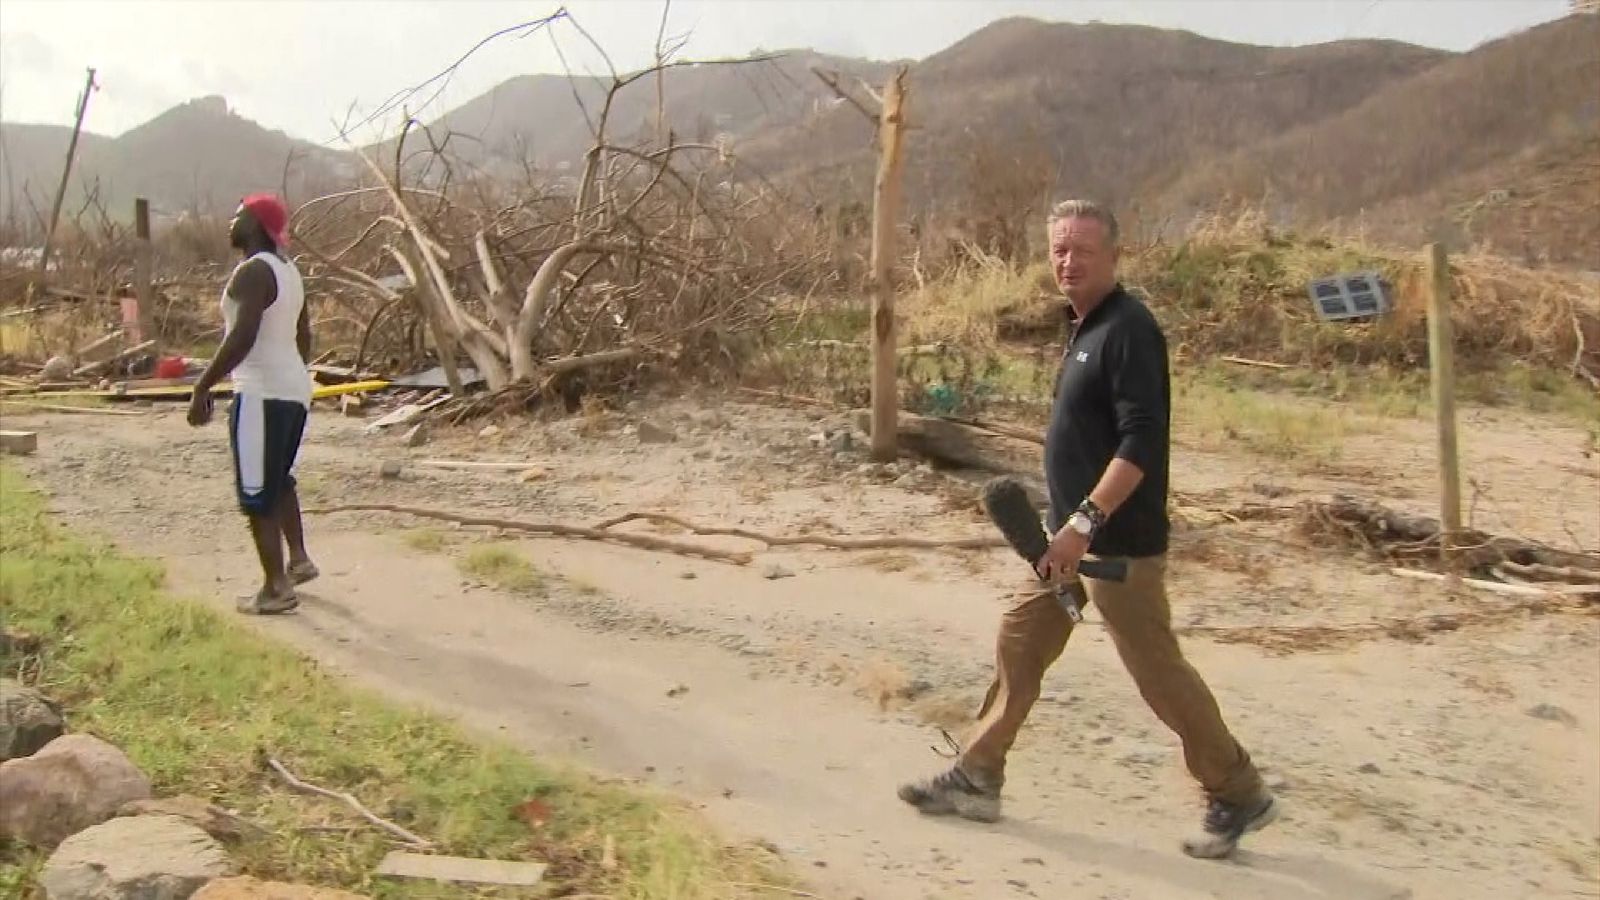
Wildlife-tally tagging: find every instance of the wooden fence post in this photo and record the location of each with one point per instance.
(1441, 366)
(885, 209)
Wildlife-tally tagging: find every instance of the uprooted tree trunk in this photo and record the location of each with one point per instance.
(641, 262)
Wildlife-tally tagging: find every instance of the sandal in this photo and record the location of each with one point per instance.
(265, 604)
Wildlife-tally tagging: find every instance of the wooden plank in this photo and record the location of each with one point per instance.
(1441, 364)
(95, 366)
(460, 869)
(63, 408)
(475, 464)
(19, 443)
(885, 208)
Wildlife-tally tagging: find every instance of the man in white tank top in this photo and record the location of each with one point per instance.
(266, 347)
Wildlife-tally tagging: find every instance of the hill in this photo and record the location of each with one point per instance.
(1102, 109)
(1496, 145)
(537, 119)
(1423, 152)
(197, 157)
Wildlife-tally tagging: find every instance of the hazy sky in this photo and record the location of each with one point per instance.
(299, 66)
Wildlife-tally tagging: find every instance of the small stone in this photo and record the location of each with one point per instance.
(678, 690)
(1552, 713)
(651, 433)
(389, 469)
(775, 572)
(1368, 769)
(908, 480)
(688, 576)
(57, 368)
(489, 431)
(1103, 739)
(841, 442)
(533, 474)
(417, 436)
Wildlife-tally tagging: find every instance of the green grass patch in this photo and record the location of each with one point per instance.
(193, 696)
(502, 566)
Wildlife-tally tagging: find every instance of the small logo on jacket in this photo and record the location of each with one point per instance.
(1083, 356)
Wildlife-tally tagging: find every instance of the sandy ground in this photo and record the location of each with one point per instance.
(789, 697)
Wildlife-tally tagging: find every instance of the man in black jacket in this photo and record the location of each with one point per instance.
(1106, 461)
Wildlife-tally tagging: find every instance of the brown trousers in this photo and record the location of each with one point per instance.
(1033, 633)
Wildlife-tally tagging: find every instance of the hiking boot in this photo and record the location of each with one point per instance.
(953, 792)
(1226, 823)
(265, 603)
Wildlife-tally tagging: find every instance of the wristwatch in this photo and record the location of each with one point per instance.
(1081, 523)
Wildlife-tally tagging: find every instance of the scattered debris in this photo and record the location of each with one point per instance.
(839, 543)
(19, 443)
(546, 528)
(305, 787)
(533, 812)
(461, 870)
(489, 431)
(677, 690)
(417, 436)
(651, 433)
(1369, 769)
(244, 887)
(1552, 713)
(389, 469)
(775, 572)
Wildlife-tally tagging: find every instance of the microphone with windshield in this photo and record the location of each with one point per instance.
(1006, 501)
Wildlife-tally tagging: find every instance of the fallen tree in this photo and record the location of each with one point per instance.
(657, 257)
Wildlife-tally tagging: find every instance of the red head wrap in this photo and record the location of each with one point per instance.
(271, 213)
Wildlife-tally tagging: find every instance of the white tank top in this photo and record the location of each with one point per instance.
(273, 369)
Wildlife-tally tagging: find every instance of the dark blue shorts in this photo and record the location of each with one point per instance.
(265, 438)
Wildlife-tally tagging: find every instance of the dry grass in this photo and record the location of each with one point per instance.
(1232, 288)
(503, 567)
(426, 540)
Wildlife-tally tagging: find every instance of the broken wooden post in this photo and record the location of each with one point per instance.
(885, 206)
(66, 175)
(143, 264)
(1441, 366)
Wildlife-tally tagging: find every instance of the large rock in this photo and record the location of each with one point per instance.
(28, 720)
(76, 781)
(246, 888)
(136, 858)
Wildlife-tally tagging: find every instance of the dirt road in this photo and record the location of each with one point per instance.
(789, 697)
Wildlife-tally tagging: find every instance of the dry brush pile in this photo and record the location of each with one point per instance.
(656, 258)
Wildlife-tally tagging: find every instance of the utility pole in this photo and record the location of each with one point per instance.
(66, 173)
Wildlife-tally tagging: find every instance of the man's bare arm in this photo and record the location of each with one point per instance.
(302, 335)
(254, 288)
